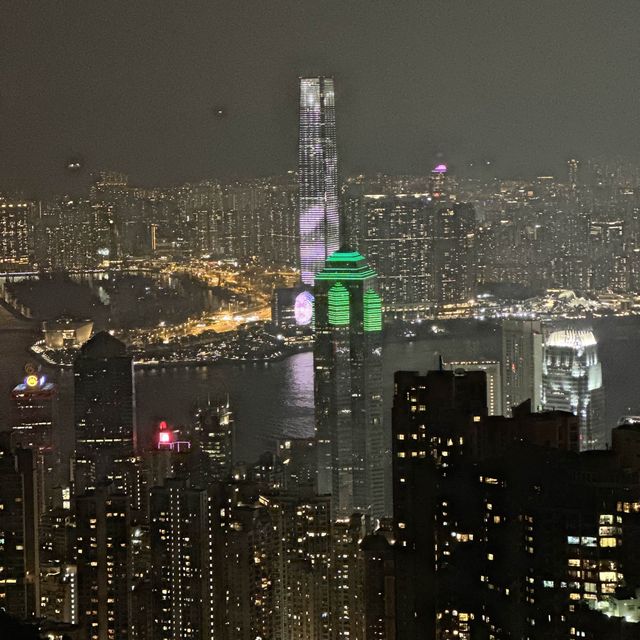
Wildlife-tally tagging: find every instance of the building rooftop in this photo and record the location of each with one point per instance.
(346, 264)
(572, 339)
(103, 345)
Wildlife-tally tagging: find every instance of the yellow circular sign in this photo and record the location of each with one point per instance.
(32, 381)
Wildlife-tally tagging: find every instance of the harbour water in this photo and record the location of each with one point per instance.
(275, 400)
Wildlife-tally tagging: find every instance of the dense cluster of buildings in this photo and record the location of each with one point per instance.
(495, 502)
(449, 520)
(436, 240)
(428, 247)
(116, 221)
(501, 528)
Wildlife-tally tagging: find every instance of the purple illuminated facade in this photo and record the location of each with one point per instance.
(317, 175)
(438, 180)
(303, 308)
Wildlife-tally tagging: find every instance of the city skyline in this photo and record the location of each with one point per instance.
(332, 403)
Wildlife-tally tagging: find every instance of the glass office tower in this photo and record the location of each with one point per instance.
(353, 445)
(317, 175)
(572, 381)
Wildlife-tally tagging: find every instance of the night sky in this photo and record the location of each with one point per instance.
(138, 85)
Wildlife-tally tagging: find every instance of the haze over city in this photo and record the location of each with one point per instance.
(137, 86)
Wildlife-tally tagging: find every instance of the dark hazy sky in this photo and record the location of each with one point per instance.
(133, 84)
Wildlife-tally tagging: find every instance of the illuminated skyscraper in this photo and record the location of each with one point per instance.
(352, 442)
(437, 180)
(33, 404)
(318, 181)
(16, 233)
(572, 381)
(170, 457)
(33, 411)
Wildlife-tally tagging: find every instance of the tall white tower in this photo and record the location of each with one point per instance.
(572, 381)
(317, 176)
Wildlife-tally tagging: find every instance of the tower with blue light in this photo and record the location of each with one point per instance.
(353, 445)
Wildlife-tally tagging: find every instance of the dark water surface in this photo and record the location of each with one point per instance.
(276, 399)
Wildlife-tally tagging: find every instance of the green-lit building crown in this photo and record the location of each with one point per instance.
(346, 265)
(350, 286)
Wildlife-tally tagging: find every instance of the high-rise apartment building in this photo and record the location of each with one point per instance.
(104, 413)
(397, 241)
(348, 566)
(300, 462)
(245, 571)
(64, 235)
(379, 586)
(454, 227)
(432, 418)
(352, 441)
(17, 219)
(572, 381)
(303, 573)
(243, 219)
(59, 593)
(182, 559)
(103, 559)
(521, 363)
(317, 176)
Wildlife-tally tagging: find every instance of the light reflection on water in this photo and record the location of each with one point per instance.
(274, 400)
(270, 400)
